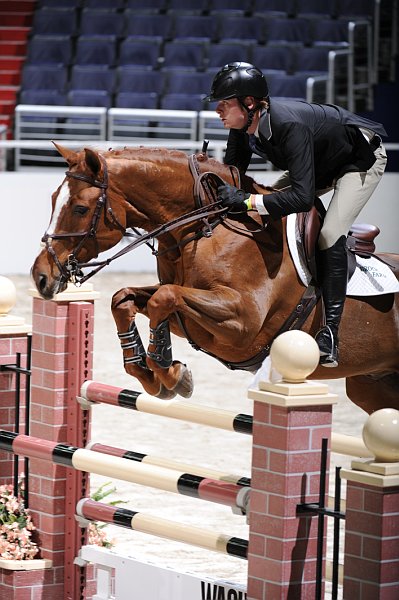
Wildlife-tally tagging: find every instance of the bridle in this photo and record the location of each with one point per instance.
(71, 270)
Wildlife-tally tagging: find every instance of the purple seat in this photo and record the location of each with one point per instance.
(101, 22)
(95, 50)
(92, 77)
(140, 51)
(55, 21)
(136, 100)
(49, 49)
(179, 54)
(136, 79)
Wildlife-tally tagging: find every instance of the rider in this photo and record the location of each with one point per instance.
(319, 147)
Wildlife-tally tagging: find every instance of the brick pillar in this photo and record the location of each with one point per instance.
(13, 340)
(61, 360)
(290, 421)
(371, 569)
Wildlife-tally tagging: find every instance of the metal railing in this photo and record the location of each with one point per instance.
(3, 152)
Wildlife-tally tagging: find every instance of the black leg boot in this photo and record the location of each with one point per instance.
(334, 266)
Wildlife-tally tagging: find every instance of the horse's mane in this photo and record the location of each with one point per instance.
(153, 154)
(161, 155)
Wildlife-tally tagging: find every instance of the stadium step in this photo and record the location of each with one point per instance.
(14, 34)
(20, 6)
(15, 19)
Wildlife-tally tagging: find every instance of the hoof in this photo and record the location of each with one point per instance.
(165, 394)
(185, 384)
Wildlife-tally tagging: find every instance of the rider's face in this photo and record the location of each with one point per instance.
(232, 113)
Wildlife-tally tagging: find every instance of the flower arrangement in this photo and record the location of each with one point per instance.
(96, 534)
(16, 527)
(16, 524)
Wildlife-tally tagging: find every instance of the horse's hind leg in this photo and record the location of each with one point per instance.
(372, 392)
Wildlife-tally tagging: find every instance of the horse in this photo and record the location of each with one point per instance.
(227, 284)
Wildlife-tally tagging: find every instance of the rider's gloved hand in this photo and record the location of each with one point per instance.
(233, 198)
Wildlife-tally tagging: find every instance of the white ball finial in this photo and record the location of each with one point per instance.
(295, 355)
(8, 295)
(381, 434)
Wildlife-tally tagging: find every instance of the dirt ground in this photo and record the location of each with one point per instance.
(231, 452)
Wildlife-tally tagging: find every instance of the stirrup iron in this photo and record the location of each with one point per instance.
(328, 347)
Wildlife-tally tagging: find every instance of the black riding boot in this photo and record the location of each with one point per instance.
(333, 276)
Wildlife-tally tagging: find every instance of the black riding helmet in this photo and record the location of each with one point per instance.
(237, 80)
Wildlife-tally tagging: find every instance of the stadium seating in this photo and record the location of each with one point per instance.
(134, 46)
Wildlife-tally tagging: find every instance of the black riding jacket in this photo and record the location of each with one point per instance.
(315, 143)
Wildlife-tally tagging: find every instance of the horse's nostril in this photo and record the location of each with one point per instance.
(42, 282)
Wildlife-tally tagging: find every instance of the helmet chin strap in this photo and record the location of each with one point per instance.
(251, 112)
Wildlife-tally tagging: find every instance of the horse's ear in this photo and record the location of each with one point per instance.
(92, 161)
(69, 155)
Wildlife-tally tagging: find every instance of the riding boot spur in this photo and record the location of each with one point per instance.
(160, 338)
(131, 340)
(333, 279)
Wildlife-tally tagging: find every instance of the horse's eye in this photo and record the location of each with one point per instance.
(80, 210)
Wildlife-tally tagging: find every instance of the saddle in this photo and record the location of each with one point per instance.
(360, 239)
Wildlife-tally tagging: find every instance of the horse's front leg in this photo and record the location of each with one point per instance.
(126, 304)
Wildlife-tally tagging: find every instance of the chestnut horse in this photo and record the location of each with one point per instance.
(227, 284)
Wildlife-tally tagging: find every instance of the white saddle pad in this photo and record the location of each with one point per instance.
(371, 277)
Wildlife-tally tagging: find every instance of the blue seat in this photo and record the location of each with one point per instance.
(59, 3)
(55, 21)
(221, 53)
(94, 50)
(143, 24)
(140, 51)
(288, 30)
(136, 79)
(136, 100)
(48, 97)
(233, 27)
(47, 49)
(225, 6)
(183, 82)
(90, 98)
(113, 4)
(92, 77)
(193, 7)
(312, 59)
(358, 9)
(274, 58)
(330, 32)
(184, 54)
(283, 8)
(195, 26)
(182, 102)
(152, 6)
(288, 86)
(101, 22)
(44, 77)
(315, 8)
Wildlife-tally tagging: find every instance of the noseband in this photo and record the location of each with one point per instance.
(71, 269)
